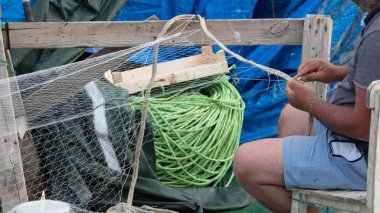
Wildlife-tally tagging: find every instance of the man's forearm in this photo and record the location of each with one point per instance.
(341, 119)
(342, 72)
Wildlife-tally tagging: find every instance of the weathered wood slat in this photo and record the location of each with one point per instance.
(172, 72)
(317, 44)
(373, 177)
(341, 195)
(12, 182)
(352, 201)
(128, 34)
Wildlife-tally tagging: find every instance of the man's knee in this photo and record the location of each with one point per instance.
(245, 164)
(241, 163)
(293, 121)
(283, 121)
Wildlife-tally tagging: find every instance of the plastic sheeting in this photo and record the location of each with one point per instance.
(265, 99)
(12, 10)
(263, 94)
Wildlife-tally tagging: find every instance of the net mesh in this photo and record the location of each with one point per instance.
(77, 131)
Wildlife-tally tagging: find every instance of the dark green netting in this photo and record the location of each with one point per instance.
(75, 169)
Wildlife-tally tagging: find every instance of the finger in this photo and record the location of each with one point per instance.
(311, 77)
(287, 88)
(291, 84)
(310, 67)
(305, 63)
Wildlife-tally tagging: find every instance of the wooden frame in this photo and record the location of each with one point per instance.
(313, 33)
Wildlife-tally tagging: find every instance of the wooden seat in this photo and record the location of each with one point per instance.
(352, 201)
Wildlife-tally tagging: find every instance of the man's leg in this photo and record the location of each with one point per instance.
(258, 168)
(293, 121)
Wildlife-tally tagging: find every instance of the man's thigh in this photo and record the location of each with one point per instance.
(293, 121)
(260, 161)
(308, 163)
(298, 161)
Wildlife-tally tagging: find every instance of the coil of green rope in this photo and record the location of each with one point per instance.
(196, 134)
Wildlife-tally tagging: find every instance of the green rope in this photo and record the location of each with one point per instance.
(196, 134)
(4, 63)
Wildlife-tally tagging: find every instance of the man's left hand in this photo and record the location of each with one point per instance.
(299, 95)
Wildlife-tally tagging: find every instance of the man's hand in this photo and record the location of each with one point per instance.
(320, 70)
(299, 95)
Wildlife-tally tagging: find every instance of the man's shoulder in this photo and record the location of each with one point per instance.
(373, 25)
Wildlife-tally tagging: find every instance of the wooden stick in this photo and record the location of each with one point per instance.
(27, 11)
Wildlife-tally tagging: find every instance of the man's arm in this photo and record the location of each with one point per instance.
(351, 121)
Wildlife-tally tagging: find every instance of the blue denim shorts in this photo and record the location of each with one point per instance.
(310, 162)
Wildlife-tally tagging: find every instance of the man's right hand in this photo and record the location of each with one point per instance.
(320, 70)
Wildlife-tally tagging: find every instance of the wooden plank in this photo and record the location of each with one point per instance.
(373, 175)
(115, 49)
(297, 205)
(317, 44)
(341, 205)
(352, 201)
(30, 160)
(372, 89)
(12, 182)
(337, 195)
(171, 72)
(127, 34)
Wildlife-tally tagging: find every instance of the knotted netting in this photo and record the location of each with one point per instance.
(78, 131)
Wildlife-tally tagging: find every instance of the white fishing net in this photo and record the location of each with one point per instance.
(77, 131)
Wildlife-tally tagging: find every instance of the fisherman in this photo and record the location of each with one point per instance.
(335, 155)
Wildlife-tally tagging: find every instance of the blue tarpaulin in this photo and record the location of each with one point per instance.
(264, 95)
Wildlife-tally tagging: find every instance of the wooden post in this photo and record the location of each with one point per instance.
(29, 156)
(373, 179)
(317, 44)
(12, 182)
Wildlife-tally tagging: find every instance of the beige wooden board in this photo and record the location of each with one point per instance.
(12, 182)
(127, 34)
(182, 75)
(341, 205)
(28, 151)
(373, 179)
(372, 89)
(175, 71)
(317, 44)
(352, 201)
(341, 195)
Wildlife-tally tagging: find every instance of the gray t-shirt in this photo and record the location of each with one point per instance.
(364, 67)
